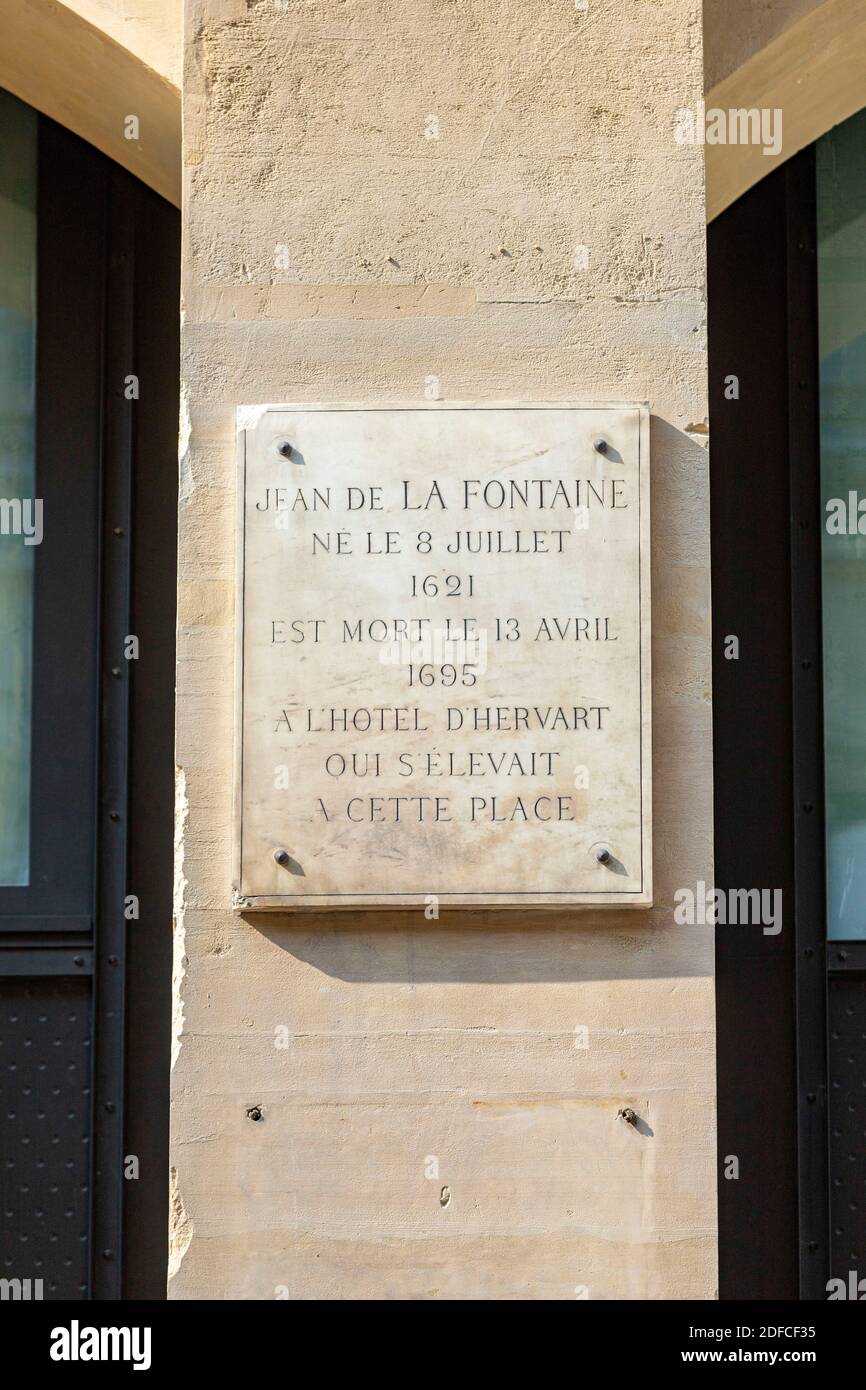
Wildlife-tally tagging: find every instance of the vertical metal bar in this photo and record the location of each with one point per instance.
(112, 837)
(151, 746)
(752, 740)
(807, 753)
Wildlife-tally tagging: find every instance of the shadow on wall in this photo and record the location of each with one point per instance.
(496, 947)
(501, 946)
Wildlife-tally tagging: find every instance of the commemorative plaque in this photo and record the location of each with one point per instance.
(443, 656)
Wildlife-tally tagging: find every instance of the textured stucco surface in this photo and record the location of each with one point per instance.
(432, 1129)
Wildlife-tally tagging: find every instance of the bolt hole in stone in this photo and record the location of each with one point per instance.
(604, 447)
(445, 1196)
(285, 861)
(630, 1117)
(607, 860)
(290, 452)
(255, 1113)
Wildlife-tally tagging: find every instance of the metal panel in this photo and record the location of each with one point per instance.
(846, 1006)
(45, 1095)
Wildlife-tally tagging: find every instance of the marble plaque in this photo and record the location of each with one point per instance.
(443, 657)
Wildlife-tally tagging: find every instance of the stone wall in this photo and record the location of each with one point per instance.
(385, 198)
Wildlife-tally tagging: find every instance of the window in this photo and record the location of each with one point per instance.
(18, 513)
(841, 224)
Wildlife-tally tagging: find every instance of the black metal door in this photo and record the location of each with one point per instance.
(791, 1008)
(85, 943)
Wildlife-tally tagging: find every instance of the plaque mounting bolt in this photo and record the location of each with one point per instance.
(285, 449)
(603, 856)
(600, 446)
(282, 857)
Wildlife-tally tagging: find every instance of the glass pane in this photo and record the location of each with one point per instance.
(18, 514)
(841, 191)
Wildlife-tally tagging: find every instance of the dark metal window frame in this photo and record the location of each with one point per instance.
(810, 911)
(103, 769)
(775, 1000)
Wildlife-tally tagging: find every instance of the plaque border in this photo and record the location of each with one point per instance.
(247, 418)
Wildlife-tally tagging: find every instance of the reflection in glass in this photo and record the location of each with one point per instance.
(18, 128)
(841, 194)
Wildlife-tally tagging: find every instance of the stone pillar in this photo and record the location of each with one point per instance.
(387, 199)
